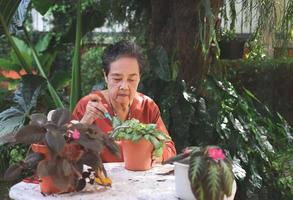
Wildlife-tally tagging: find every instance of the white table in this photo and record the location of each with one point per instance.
(146, 185)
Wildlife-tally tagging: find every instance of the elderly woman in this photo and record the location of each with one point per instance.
(122, 63)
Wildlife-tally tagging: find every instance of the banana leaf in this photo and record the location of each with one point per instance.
(75, 93)
(25, 99)
(8, 8)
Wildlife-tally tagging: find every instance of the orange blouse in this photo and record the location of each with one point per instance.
(143, 108)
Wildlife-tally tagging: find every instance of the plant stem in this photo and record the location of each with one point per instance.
(75, 92)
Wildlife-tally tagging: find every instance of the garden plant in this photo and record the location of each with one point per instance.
(180, 38)
(61, 148)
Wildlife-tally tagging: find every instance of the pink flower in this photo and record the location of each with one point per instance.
(216, 153)
(75, 134)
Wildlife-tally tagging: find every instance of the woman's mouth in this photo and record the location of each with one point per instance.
(123, 95)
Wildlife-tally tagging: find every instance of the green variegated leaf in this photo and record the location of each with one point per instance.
(212, 182)
(136, 137)
(127, 137)
(195, 169)
(198, 191)
(134, 130)
(158, 152)
(161, 136)
(129, 131)
(196, 151)
(227, 177)
(152, 126)
(155, 142)
(114, 134)
(147, 137)
(120, 135)
(116, 122)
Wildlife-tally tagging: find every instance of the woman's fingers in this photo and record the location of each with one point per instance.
(92, 111)
(100, 107)
(95, 107)
(98, 100)
(95, 98)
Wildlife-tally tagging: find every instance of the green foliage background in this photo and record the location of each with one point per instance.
(91, 72)
(258, 139)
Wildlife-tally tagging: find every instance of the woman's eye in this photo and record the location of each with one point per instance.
(131, 80)
(117, 79)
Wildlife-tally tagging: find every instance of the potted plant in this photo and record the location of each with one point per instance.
(231, 45)
(140, 142)
(204, 174)
(61, 149)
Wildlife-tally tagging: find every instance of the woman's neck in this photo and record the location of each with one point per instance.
(122, 111)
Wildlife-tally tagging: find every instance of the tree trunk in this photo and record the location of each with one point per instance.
(174, 25)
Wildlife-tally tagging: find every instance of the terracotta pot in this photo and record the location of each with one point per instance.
(42, 149)
(47, 186)
(71, 151)
(108, 156)
(182, 183)
(137, 155)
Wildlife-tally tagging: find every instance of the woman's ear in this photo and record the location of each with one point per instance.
(105, 76)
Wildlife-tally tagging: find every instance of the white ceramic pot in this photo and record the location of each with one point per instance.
(182, 183)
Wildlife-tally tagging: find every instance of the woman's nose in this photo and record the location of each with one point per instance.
(123, 85)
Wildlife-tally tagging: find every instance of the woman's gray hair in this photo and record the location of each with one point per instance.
(122, 49)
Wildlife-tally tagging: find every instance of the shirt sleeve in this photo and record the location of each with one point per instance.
(79, 109)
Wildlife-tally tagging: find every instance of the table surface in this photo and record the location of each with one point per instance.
(145, 185)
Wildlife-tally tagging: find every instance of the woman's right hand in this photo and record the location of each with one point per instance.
(94, 109)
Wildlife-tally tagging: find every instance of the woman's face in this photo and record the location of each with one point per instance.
(122, 80)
